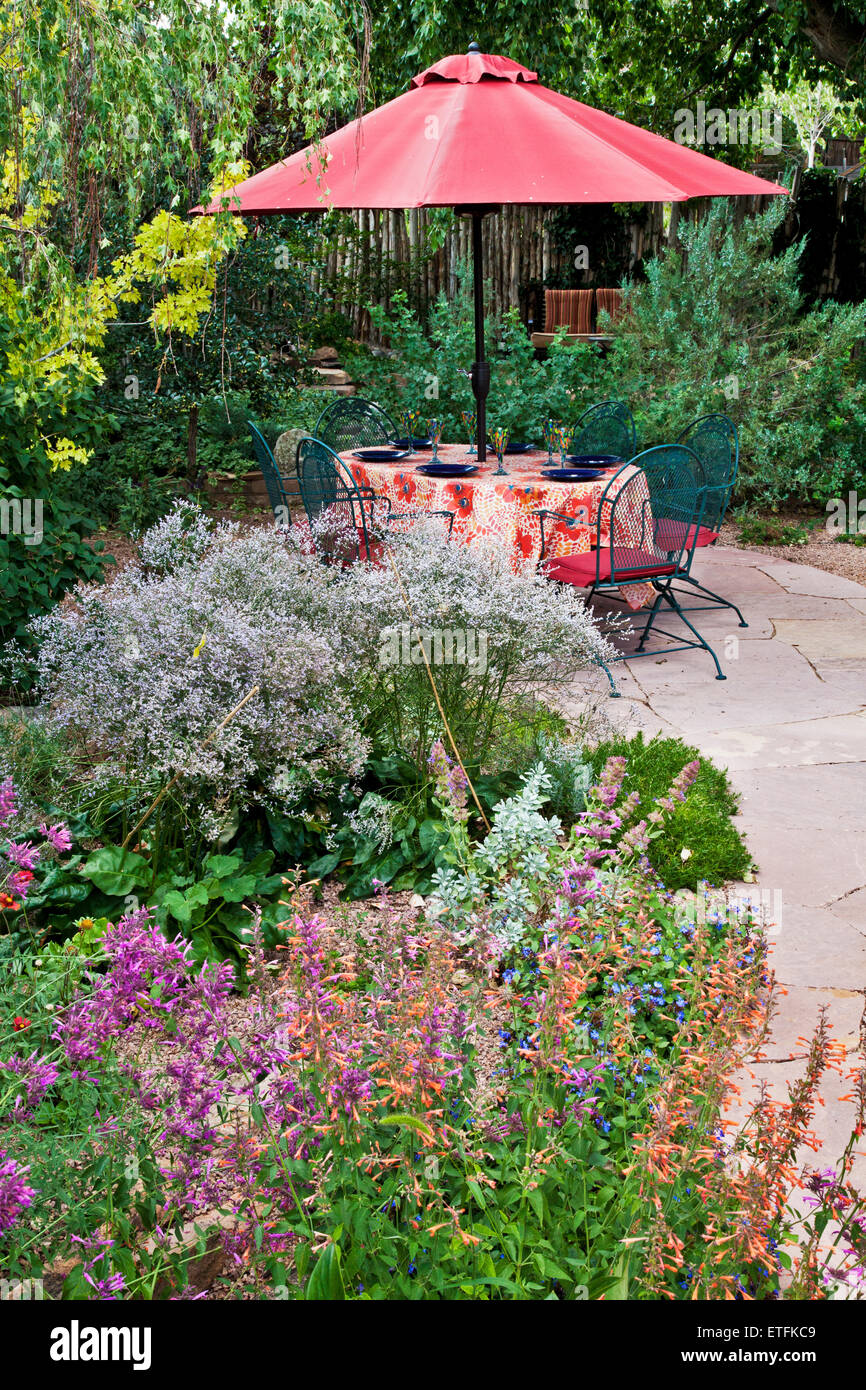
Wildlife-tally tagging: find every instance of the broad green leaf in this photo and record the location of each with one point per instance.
(325, 1284)
(117, 871)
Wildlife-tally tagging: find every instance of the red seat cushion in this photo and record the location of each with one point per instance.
(583, 570)
(706, 536)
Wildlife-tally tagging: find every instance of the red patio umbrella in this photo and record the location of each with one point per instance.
(475, 131)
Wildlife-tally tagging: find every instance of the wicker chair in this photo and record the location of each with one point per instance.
(669, 503)
(714, 439)
(606, 428)
(352, 423)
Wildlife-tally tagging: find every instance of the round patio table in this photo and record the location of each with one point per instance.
(501, 508)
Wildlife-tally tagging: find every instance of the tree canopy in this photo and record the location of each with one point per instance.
(640, 59)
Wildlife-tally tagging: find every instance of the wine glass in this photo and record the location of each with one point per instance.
(499, 439)
(550, 434)
(408, 420)
(566, 439)
(470, 420)
(434, 429)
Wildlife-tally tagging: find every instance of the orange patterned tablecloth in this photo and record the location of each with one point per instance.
(486, 506)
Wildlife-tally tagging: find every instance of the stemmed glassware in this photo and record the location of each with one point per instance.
(498, 440)
(566, 439)
(470, 420)
(434, 429)
(409, 425)
(550, 435)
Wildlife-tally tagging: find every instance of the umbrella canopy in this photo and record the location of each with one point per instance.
(475, 131)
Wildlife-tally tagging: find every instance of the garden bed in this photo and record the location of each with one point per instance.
(802, 538)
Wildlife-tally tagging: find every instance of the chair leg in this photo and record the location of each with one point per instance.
(650, 620)
(671, 600)
(717, 600)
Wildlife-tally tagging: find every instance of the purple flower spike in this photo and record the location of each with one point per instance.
(15, 1194)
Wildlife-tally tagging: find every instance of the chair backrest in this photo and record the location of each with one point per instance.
(610, 301)
(571, 309)
(606, 428)
(353, 423)
(274, 481)
(715, 440)
(330, 494)
(652, 515)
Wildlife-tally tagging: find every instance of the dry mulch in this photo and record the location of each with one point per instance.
(821, 550)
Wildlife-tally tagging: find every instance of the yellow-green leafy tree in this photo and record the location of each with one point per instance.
(117, 117)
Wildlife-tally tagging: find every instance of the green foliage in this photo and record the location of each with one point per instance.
(427, 374)
(39, 759)
(180, 407)
(202, 897)
(638, 62)
(48, 555)
(701, 824)
(759, 530)
(720, 325)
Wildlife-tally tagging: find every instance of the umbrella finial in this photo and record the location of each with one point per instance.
(473, 48)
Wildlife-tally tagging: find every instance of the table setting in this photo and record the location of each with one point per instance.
(418, 472)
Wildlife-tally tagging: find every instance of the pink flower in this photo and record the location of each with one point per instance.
(23, 856)
(19, 882)
(57, 835)
(8, 806)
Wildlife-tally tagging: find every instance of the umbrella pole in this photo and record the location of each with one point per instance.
(480, 368)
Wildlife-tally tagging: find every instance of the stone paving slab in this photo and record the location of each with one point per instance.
(809, 868)
(851, 909)
(800, 932)
(804, 579)
(820, 638)
(833, 795)
(814, 742)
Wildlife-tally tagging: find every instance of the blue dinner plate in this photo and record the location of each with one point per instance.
(518, 448)
(593, 460)
(411, 444)
(447, 470)
(380, 455)
(572, 475)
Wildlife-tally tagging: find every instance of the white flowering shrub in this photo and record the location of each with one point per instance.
(182, 536)
(493, 635)
(147, 667)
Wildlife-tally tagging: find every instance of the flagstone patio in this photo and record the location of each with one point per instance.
(789, 723)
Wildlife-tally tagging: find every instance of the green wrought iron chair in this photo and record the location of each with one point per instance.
(330, 494)
(645, 531)
(606, 428)
(352, 423)
(714, 439)
(279, 487)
